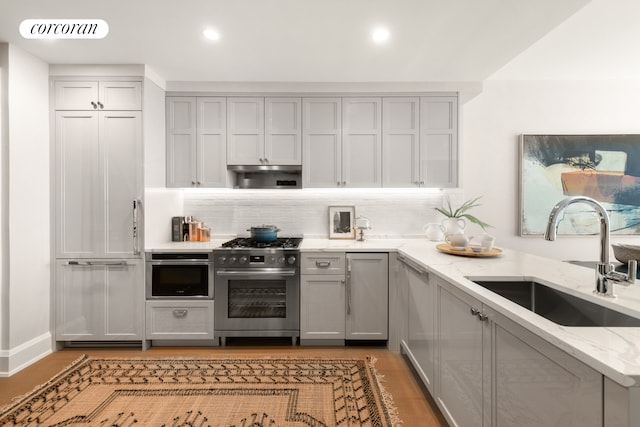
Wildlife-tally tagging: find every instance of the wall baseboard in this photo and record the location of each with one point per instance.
(16, 359)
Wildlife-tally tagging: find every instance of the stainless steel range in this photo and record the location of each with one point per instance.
(257, 289)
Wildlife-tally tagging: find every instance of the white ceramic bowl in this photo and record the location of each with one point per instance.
(624, 253)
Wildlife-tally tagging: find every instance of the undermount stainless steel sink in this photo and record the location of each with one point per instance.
(557, 306)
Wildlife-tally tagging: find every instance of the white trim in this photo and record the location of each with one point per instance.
(20, 357)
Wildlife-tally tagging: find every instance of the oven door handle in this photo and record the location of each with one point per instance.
(262, 272)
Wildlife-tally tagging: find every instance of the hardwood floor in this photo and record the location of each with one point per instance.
(414, 408)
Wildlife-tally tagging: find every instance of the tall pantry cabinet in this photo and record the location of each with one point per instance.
(98, 190)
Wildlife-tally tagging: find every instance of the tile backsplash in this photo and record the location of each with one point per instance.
(393, 213)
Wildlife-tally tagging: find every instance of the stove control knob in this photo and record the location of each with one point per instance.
(281, 260)
(243, 260)
(232, 260)
(222, 259)
(291, 260)
(272, 260)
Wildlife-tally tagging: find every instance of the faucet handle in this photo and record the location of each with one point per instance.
(632, 269)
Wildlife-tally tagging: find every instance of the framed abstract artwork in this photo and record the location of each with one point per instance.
(603, 167)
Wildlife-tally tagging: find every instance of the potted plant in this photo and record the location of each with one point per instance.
(454, 223)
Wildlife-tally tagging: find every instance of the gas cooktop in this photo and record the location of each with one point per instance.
(249, 243)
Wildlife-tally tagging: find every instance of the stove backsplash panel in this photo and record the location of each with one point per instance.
(393, 213)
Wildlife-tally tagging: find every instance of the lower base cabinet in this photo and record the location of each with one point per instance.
(490, 371)
(98, 300)
(179, 320)
(343, 297)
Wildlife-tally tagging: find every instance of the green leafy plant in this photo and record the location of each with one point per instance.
(461, 212)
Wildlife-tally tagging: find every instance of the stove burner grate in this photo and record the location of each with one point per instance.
(248, 242)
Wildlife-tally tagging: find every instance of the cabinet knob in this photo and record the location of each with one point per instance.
(344, 183)
(100, 104)
(421, 182)
(193, 183)
(474, 311)
(94, 105)
(483, 317)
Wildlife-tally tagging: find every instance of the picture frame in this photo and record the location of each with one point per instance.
(341, 222)
(604, 167)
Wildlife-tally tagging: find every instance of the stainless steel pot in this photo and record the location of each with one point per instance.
(264, 233)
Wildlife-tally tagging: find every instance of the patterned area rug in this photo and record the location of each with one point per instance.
(208, 392)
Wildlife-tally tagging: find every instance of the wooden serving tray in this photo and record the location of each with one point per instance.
(448, 249)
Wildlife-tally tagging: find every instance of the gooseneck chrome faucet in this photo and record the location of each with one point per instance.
(606, 276)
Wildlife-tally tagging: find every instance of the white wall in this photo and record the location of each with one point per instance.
(495, 119)
(25, 198)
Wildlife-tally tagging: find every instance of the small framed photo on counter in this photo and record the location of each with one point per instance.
(341, 222)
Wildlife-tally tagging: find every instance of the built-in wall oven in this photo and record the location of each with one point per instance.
(257, 290)
(179, 275)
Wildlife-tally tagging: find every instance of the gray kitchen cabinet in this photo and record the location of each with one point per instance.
(179, 320)
(420, 141)
(98, 183)
(490, 371)
(196, 142)
(264, 131)
(419, 342)
(98, 95)
(367, 294)
(439, 141)
(98, 300)
(322, 298)
(343, 297)
(322, 142)
(461, 379)
(361, 142)
(341, 141)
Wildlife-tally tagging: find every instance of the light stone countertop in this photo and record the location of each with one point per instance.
(615, 352)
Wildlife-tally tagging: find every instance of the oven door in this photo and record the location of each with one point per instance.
(179, 280)
(257, 302)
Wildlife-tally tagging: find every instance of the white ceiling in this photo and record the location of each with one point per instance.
(297, 40)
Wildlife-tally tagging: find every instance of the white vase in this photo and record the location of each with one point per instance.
(453, 225)
(434, 231)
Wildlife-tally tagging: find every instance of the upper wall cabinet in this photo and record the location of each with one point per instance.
(98, 95)
(420, 141)
(342, 142)
(264, 131)
(196, 142)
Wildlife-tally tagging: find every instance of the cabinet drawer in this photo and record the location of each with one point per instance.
(322, 263)
(179, 320)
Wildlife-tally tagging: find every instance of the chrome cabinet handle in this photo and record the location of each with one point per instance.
(96, 263)
(136, 248)
(483, 317)
(411, 266)
(323, 264)
(180, 313)
(348, 287)
(474, 311)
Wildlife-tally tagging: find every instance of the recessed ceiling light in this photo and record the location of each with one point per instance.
(380, 35)
(211, 34)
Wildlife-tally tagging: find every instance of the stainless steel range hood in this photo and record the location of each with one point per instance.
(267, 176)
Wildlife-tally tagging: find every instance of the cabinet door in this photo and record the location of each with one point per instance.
(120, 95)
(361, 145)
(537, 384)
(181, 141)
(421, 339)
(79, 189)
(98, 95)
(367, 296)
(322, 306)
(211, 152)
(99, 301)
(460, 376)
(245, 131)
(283, 123)
(322, 142)
(439, 141)
(121, 174)
(76, 95)
(400, 142)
